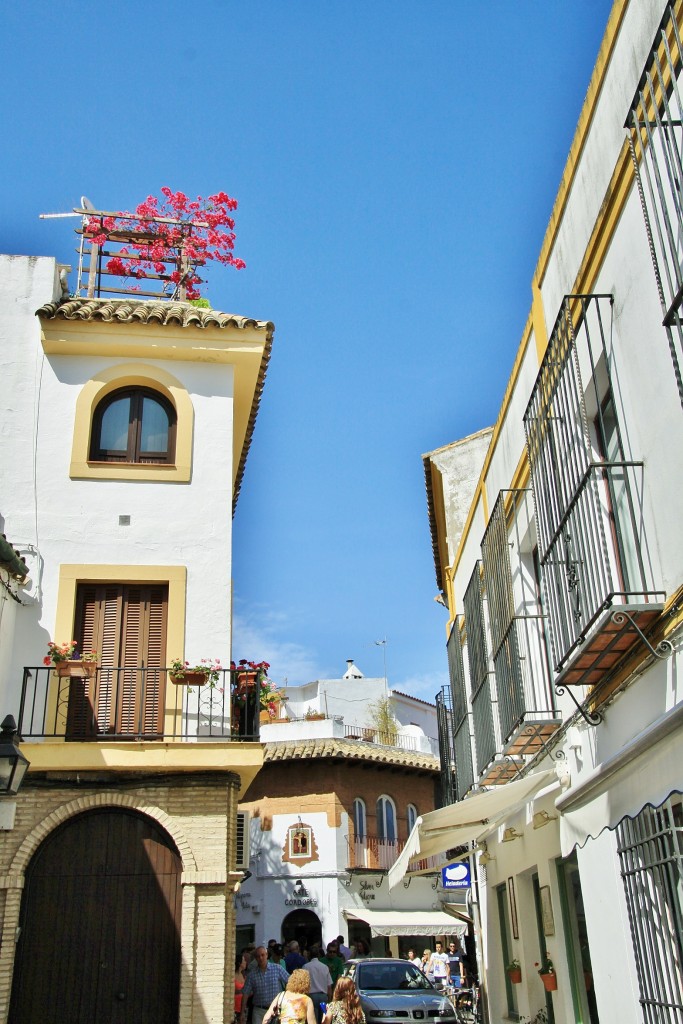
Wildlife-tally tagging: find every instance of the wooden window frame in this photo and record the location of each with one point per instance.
(133, 454)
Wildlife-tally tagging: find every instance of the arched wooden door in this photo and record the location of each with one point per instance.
(100, 925)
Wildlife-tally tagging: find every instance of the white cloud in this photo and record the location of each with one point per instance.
(423, 686)
(259, 634)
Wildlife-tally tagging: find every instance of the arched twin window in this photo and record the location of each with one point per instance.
(134, 424)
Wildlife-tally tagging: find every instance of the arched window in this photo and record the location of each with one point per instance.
(134, 425)
(386, 819)
(412, 817)
(359, 818)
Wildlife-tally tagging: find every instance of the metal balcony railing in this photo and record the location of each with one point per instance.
(588, 494)
(384, 739)
(98, 703)
(378, 854)
(654, 123)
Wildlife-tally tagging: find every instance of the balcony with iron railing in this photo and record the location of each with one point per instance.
(376, 853)
(526, 709)
(597, 572)
(86, 702)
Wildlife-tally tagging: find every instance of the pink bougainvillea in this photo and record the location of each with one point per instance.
(176, 232)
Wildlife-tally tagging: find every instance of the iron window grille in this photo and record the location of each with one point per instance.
(655, 124)
(462, 735)
(588, 496)
(447, 786)
(650, 850)
(486, 732)
(516, 626)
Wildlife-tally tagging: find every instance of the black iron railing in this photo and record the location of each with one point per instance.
(82, 702)
(588, 494)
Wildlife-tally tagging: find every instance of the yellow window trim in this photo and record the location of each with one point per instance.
(70, 575)
(132, 375)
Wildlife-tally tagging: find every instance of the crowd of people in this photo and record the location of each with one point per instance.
(298, 987)
(277, 984)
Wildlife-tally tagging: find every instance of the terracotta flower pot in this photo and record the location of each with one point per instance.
(76, 669)
(549, 982)
(246, 681)
(189, 678)
(515, 975)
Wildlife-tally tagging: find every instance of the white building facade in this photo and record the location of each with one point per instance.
(565, 580)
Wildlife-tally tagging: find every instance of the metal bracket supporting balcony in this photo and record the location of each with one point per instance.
(664, 648)
(590, 717)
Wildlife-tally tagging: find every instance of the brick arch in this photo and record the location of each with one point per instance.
(92, 802)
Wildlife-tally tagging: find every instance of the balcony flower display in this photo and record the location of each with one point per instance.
(206, 672)
(270, 697)
(68, 661)
(57, 653)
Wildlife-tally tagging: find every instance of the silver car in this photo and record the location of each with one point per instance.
(397, 991)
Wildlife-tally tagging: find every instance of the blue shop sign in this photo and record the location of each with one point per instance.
(456, 876)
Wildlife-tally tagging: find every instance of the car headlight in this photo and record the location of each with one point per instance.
(445, 1011)
(381, 1013)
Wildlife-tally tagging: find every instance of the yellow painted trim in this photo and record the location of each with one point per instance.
(538, 320)
(70, 575)
(132, 375)
(245, 759)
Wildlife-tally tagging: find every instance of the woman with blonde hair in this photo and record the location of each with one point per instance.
(345, 1007)
(294, 1005)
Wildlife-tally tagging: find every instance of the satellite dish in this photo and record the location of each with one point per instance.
(86, 204)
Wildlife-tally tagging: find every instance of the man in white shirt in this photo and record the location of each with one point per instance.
(438, 966)
(321, 981)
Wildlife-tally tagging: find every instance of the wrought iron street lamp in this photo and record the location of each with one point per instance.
(13, 764)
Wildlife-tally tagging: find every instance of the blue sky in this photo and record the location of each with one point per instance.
(395, 163)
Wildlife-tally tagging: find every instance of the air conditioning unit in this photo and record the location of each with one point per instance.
(242, 841)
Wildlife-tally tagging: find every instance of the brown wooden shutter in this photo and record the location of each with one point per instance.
(126, 624)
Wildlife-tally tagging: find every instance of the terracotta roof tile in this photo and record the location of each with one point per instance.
(146, 312)
(289, 750)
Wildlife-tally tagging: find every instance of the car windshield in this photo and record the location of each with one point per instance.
(389, 977)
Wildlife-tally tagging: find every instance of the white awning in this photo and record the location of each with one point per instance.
(408, 922)
(466, 821)
(645, 771)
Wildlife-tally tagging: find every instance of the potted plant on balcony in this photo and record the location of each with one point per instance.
(547, 973)
(67, 661)
(247, 673)
(270, 700)
(514, 971)
(203, 674)
(312, 715)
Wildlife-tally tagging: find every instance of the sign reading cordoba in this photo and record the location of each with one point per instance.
(300, 896)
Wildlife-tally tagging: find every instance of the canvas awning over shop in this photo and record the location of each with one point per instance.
(645, 771)
(408, 922)
(467, 821)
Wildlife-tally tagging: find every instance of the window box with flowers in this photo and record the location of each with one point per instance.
(547, 973)
(68, 662)
(205, 673)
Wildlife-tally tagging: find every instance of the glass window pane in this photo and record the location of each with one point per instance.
(154, 433)
(359, 817)
(114, 429)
